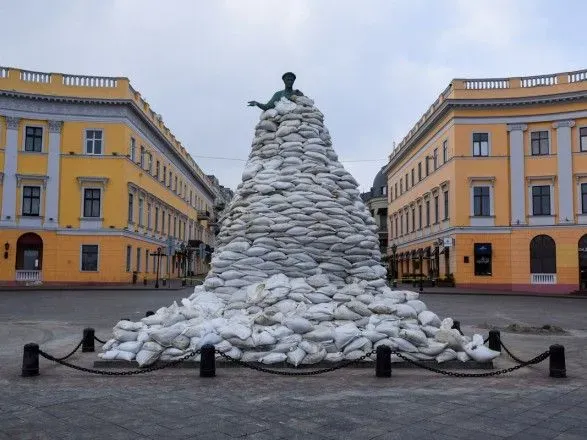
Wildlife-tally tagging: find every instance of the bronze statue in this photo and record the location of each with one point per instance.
(288, 79)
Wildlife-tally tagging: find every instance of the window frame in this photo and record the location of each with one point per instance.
(131, 208)
(480, 197)
(102, 142)
(445, 194)
(583, 195)
(138, 260)
(579, 130)
(428, 218)
(133, 148)
(476, 265)
(435, 159)
(548, 140)
(541, 196)
(84, 199)
(140, 206)
(412, 177)
(445, 151)
(42, 139)
(436, 208)
(473, 142)
(149, 212)
(22, 213)
(82, 253)
(419, 171)
(156, 229)
(128, 257)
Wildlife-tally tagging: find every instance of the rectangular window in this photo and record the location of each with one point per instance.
(446, 205)
(419, 216)
(396, 230)
(401, 224)
(480, 144)
(156, 219)
(133, 149)
(427, 212)
(435, 159)
(164, 175)
(427, 166)
(413, 219)
(436, 216)
(150, 163)
(175, 227)
(148, 215)
(142, 157)
(91, 202)
(157, 165)
(413, 177)
(130, 208)
(395, 190)
(140, 212)
(539, 143)
(583, 138)
(146, 260)
(481, 201)
(191, 198)
(407, 185)
(419, 171)
(93, 141)
(139, 254)
(482, 255)
(445, 151)
(33, 140)
(401, 187)
(584, 198)
(31, 201)
(163, 222)
(168, 224)
(541, 200)
(128, 257)
(89, 257)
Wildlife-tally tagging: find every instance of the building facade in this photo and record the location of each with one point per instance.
(92, 184)
(489, 188)
(376, 201)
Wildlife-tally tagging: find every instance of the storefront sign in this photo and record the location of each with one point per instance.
(447, 242)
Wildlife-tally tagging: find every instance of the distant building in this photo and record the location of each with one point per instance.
(92, 183)
(222, 198)
(376, 201)
(490, 185)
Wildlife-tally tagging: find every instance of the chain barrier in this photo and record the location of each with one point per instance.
(514, 357)
(297, 373)
(541, 357)
(121, 373)
(99, 340)
(72, 352)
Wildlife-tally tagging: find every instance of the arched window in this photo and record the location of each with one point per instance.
(542, 254)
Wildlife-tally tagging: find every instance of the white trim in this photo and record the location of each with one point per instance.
(472, 150)
(42, 139)
(85, 146)
(81, 248)
(529, 149)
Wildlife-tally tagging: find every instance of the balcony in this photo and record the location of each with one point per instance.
(543, 278)
(29, 276)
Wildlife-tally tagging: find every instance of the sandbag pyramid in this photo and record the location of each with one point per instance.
(296, 276)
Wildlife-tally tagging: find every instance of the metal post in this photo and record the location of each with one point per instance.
(149, 313)
(558, 366)
(383, 361)
(494, 341)
(30, 360)
(421, 271)
(457, 325)
(208, 361)
(88, 341)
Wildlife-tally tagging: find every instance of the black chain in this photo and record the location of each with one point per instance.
(121, 373)
(297, 373)
(99, 340)
(514, 357)
(536, 360)
(71, 354)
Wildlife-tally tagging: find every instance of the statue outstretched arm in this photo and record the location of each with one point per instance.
(276, 97)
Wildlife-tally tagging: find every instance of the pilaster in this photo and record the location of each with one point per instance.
(53, 165)
(8, 215)
(565, 171)
(517, 194)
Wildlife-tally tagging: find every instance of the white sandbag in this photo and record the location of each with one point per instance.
(405, 345)
(462, 356)
(417, 305)
(124, 335)
(479, 352)
(146, 357)
(405, 311)
(389, 328)
(108, 355)
(334, 357)
(433, 348)
(345, 334)
(130, 326)
(234, 353)
(253, 356)
(131, 346)
(447, 355)
(223, 346)
(318, 281)
(387, 342)
(373, 335)
(343, 313)
(382, 306)
(361, 343)
(416, 337)
(125, 355)
(296, 356)
(263, 338)
(427, 317)
(353, 355)
(314, 358)
(273, 358)
(298, 324)
(235, 330)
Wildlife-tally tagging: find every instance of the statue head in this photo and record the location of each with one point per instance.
(288, 78)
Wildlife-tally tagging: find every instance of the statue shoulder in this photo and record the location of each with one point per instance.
(298, 92)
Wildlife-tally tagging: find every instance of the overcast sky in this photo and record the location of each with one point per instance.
(372, 67)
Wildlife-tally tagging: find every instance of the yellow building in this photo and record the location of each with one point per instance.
(92, 183)
(490, 186)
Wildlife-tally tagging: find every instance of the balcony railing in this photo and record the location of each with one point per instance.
(89, 81)
(543, 278)
(483, 84)
(539, 81)
(3, 72)
(28, 276)
(38, 77)
(580, 75)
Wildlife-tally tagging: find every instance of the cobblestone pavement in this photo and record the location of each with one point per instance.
(238, 403)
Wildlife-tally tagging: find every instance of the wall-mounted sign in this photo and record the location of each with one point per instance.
(447, 242)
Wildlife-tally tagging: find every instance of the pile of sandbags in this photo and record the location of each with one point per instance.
(296, 275)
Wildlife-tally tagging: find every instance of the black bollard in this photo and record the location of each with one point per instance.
(494, 340)
(208, 361)
(558, 366)
(30, 360)
(383, 361)
(88, 341)
(149, 313)
(457, 325)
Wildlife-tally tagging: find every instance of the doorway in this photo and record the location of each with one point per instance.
(583, 262)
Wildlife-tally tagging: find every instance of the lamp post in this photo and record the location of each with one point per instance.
(158, 255)
(421, 255)
(393, 263)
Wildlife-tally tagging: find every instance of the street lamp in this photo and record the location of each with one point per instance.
(421, 255)
(157, 254)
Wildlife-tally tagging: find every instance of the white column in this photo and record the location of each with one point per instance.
(565, 171)
(517, 194)
(53, 164)
(8, 216)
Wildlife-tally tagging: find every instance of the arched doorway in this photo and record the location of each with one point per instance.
(583, 262)
(543, 260)
(29, 257)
